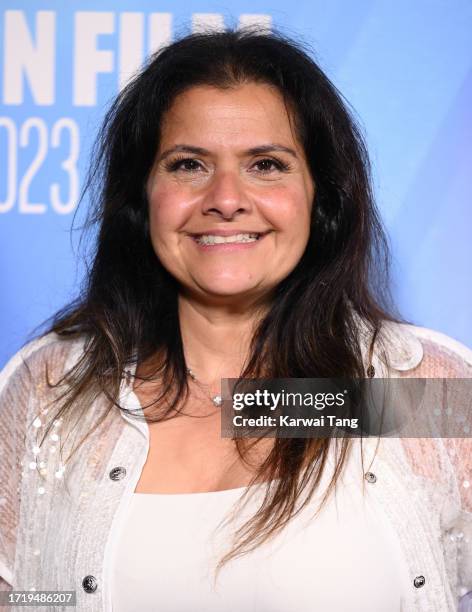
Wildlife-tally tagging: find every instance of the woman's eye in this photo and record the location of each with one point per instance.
(267, 165)
(188, 165)
(191, 166)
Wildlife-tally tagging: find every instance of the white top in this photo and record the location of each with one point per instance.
(347, 558)
(59, 530)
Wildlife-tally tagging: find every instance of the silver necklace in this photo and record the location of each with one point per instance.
(217, 400)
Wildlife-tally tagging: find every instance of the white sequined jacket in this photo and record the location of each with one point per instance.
(57, 533)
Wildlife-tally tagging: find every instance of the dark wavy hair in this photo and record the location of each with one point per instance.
(127, 308)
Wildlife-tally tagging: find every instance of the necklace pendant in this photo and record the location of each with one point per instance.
(217, 400)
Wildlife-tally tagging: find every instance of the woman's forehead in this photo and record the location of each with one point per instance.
(241, 115)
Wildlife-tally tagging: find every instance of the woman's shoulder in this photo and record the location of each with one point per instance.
(50, 352)
(428, 352)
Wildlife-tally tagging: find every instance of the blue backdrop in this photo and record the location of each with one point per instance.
(405, 67)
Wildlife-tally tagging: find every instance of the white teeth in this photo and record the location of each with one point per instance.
(211, 239)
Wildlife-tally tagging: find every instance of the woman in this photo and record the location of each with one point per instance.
(237, 238)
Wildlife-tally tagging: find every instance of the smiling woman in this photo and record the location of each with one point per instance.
(238, 238)
(231, 216)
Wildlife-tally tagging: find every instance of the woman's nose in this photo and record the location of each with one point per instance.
(225, 195)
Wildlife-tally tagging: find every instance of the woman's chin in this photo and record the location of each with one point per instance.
(226, 291)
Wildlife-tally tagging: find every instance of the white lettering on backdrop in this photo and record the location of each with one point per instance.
(103, 43)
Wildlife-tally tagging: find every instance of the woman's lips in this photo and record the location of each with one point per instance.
(229, 246)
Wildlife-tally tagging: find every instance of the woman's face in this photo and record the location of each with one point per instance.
(230, 193)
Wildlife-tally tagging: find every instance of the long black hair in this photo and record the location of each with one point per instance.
(127, 309)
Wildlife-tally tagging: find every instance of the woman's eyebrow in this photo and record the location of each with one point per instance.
(267, 148)
(271, 147)
(184, 148)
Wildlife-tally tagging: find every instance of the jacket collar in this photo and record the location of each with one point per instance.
(396, 347)
(403, 351)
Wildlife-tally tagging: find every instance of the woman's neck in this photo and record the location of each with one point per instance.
(216, 340)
